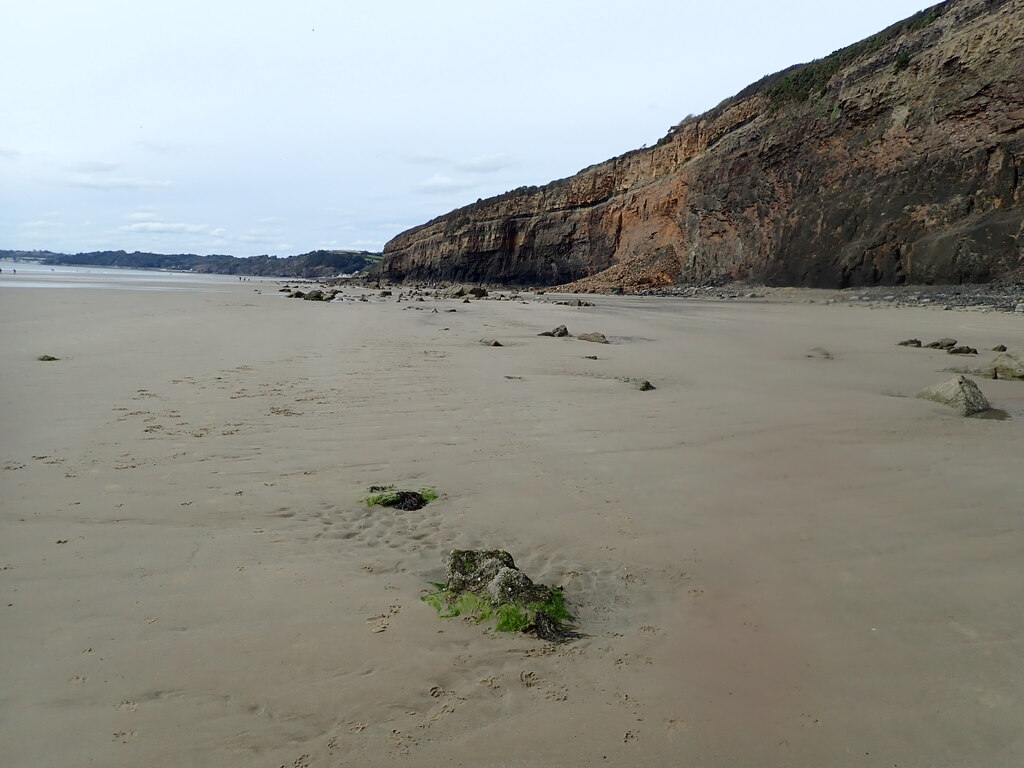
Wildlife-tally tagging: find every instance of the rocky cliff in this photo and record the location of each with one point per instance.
(896, 160)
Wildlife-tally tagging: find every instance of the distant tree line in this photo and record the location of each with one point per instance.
(312, 265)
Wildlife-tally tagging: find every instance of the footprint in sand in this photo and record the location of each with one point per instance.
(381, 622)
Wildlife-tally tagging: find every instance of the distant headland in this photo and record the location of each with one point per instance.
(315, 264)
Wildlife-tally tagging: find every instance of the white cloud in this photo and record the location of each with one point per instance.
(164, 227)
(44, 223)
(425, 158)
(485, 164)
(143, 216)
(439, 184)
(91, 182)
(160, 147)
(93, 166)
(257, 237)
(481, 164)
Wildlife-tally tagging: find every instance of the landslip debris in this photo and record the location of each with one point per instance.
(485, 585)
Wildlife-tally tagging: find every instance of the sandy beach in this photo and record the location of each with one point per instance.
(776, 558)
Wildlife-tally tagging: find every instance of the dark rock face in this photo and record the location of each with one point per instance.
(903, 165)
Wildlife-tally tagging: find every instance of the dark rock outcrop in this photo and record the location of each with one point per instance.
(896, 160)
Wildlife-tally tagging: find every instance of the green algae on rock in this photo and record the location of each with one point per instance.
(484, 585)
(389, 496)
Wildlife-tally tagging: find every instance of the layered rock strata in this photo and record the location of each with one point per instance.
(896, 160)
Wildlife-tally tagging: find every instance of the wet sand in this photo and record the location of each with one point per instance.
(777, 559)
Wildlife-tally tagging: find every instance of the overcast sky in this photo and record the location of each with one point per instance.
(251, 126)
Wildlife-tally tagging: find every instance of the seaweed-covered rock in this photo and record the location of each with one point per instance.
(485, 584)
(473, 569)
(408, 501)
(642, 384)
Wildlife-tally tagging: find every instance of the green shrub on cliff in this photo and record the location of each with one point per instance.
(799, 83)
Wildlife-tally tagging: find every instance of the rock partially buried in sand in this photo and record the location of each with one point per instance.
(945, 343)
(962, 350)
(483, 584)
(491, 343)
(821, 352)
(1008, 366)
(959, 393)
(642, 384)
(910, 343)
(597, 338)
(407, 501)
(558, 332)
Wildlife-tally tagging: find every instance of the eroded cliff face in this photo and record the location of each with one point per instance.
(905, 167)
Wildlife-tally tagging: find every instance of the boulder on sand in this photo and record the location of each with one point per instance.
(486, 584)
(560, 331)
(597, 338)
(959, 393)
(1008, 366)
